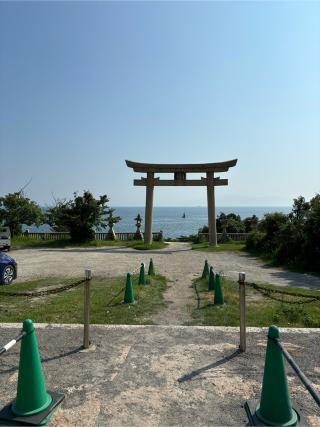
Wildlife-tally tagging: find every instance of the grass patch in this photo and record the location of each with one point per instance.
(67, 307)
(222, 247)
(23, 242)
(141, 246)
(261, 311)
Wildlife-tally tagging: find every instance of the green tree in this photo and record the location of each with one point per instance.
(111, 220)
(233, 222)
(291, 236)
(300, 210)
(292, 239)
(17, 209)
(272, 223)
(250, 223)
(311, 245)
(79, 216)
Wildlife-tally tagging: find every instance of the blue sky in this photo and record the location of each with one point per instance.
(86, 85)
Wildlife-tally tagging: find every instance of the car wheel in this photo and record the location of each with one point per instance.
(8, 275)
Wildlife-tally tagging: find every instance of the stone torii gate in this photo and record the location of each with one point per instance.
(180, 178)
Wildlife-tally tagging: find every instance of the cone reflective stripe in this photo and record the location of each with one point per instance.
(151, 270)
(32, 396)
(142, 277)
(211, 284)
(205, 272)
(275, 406)
(218, 294)
(128, 294)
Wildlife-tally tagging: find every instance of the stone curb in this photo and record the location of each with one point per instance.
(173, 327)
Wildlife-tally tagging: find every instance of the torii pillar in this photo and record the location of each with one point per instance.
(211, 203)
(149, 208)
(180, 179)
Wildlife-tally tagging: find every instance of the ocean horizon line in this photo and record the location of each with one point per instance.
(195, 206)
(205, 206)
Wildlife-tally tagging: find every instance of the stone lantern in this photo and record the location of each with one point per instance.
(138, 234)
(224, 223)
(111, 234)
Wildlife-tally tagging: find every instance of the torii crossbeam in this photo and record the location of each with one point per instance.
(180, 179)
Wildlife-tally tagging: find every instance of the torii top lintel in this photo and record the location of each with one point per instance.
(192, 167)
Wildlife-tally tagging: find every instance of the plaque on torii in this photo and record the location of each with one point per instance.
(180, 179)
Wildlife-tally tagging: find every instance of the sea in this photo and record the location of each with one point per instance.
(170, 219)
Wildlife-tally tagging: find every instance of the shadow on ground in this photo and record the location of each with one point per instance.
(213, 365)
(46, 359)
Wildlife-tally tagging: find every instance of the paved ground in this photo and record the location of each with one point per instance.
(159, 375)
(177, 262)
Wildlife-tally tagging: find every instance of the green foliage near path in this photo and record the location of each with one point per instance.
(16, 209)
(261, 311)
(67, 306)
(292, 240)
(78, 216)
(23, 242)
(222, 247)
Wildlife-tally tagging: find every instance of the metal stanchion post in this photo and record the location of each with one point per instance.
(86, 309)
(242, 301)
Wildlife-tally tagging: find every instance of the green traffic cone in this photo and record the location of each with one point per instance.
(211, 284)
(128, 294)
(32, 396)
(275, 406)
(218, 294)
(151, 269)
(142, 277)
(205, 272)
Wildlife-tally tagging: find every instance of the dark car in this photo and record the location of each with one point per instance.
(8, 269)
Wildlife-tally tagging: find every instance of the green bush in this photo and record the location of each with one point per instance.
(194, 238)
(17, 209)
(255, 241)
(292, 239)
(79, 216)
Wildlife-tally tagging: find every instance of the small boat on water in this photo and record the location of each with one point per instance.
(184, 215)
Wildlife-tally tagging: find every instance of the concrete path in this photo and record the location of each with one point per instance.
(159, 375)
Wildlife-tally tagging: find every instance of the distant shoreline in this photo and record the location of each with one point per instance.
(172, 220)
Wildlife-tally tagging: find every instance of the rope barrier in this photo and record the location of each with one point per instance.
(115, 296)
(43, 293)
(136, 269)
(123, 288)
(305, 381)
(11, 343)
(51, 291)
(197, 295)
(267, 292)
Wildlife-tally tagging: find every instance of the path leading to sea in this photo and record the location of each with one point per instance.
(177, 262)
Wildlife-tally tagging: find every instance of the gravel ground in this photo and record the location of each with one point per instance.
(159, 375)
(177, 262)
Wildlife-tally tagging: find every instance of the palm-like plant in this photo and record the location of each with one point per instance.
(111, 220)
